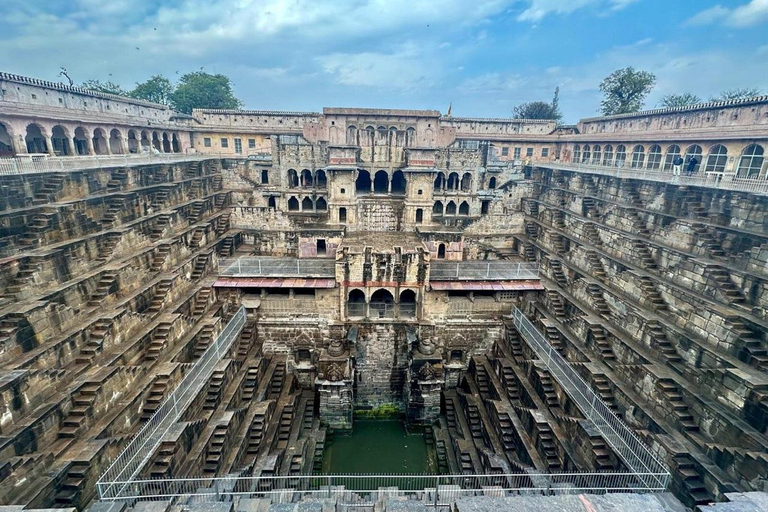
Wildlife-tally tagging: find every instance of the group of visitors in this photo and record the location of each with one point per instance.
(690, 168)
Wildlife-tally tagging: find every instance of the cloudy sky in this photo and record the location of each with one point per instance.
(483, 56)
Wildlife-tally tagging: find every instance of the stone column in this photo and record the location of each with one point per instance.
(19, 145)
(389, 185)
(124, 145)
(108, 146)
(70, 145)
(89, 145)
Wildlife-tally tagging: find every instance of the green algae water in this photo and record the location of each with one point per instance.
(378, 447)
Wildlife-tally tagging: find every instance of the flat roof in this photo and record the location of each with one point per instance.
(382, 241)
(345, 111)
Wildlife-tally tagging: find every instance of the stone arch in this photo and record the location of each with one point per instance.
(381, 182)
(356, 302)
(751, 161)
(450, 208)
(437, 209)
(439, 182)
(492, 183)
(363, 182)
(398, 182)
(271, 203)
(6, 142)
(352, 136)
(100, 142)
(321, 204)
(293, 178)
(410, 137)
(441, 251)
(370, 135)
(419, 215)
(293, 204)
(156, 141)
(321, 180)
(81, 140)
(576, 153)
(35, 139)
(717, 157)
(306, 178)
(307, 205)
(453, 181)
(654, 157)
(638, 157)
(115, 142)
(464, 208)
(382, 304)
(343, 214)
(608, 155)
(585, 155)
(133, 142)
(166, 143)
(693, 151)
(673, 152)
(596, 154)
(408, 303)
(621, 155)
(175, 145)
(60, 141)
(144, 143)
(466, 182)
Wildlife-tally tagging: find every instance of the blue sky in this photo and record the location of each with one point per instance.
(483, 56)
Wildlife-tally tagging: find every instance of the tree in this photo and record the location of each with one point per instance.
(539, 109)
(737, 94)
(679, 100)
(203, 90)
(108, 87)
(625, 89)
(157, 89)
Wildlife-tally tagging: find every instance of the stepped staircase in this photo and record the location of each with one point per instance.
(284, 427)
(219, 201)
(709, 242)
(639, 226)
(159, 226)
(530, 253)
(160, 255)
(216, 181)
(600, 339)
(215, 451)
(158, 299)
(547, 389)
(196, 211)
(589, 207)
(156, 396)
(244, 342)
(161, 466)
(751, 348)
(255, 435)
(226, 247)
(317, 459)
(107, 284)
(95, 343)
(725, 284)
(554, 338)
(509, 381)
(200, 266)
(481, 379)
(556, 303)
(593, 236)
(595, 265)
(603, 388)
(557, 244)
(118, 180)
(202, 298)
(450, 414)
(693, 206)
(250, 383)
(652, 293)
(558, 217)
(160, 336)
(601, 453)
(557, 272)
(204, 340)
(222, 223)
(692, 482)
(39, 223)
(630, 191)
(197, 237)
(215, 387)
(69, 493)
(107, 246)
(114, 207)
(506, 432)
(533, 208)
(159, 199)
(598, 300)
(82, 406)
(474, 421)
(47, 192)
(531, 230)
(659, 338)
(644, 254)
(547, 447)
(671, 392)
(514, 343)
(27, 269)
(277, 381)
(309, 414)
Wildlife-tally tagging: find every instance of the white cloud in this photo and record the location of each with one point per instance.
(539, 9)
(752, 13)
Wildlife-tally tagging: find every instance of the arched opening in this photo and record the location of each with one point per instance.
(175, 144)
(439, 182)
(381, 135)
(453, 181)
(321, 247)
(450, 208)
(307, 205)
(621, 155)
(638, 157)
(363, 182)
(407, 303)
(293, 204)
(596, 154)
(116, 142)
(382, 304)
(692, 158)
(492, 183)
(464, 208)
(293, 178)
(264, 177)
(35, 139)
(608, 155)
(356, 303)
(81, 141)
(271, 202)
(370, 135)
(306, 178)
(156, 141)
(145, 144)
(718, 156)
(410, 137)
(381, 182)
(466, 182)
(419, 215)
(751, 161)
(352, 136)
(321, 204)
(441, 252)
(166, 143)
(398, 182)
(321, 180)
(654, 157)
(673, 152)
(437, 209)
(577, 153)
(586, 155)
(342, 214)
(133, 143)
(60, 141)
(6, 144)
(99, 142)
(392, 136)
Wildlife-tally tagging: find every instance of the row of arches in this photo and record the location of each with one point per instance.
(749, 165)
(381, 182)
(453, 182)
(307, 179)
(307, 204)
(380, 136)
(61, 140)
(382, 304)
(450, 208)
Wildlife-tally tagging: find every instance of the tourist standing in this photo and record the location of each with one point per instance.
(677, 165)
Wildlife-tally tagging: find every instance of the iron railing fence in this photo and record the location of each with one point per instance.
(482, 270)
(638, 457)
(256, 266)
(132, 459)
(356, 309)
(31, 164)
(718, 180)
(381, 310)
(440, 490)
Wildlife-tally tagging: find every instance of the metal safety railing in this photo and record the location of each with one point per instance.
(718, 180)
(132, 459)
(31, 164)
(251, 266)
(436, 490)
(482, 270)
(638, 457)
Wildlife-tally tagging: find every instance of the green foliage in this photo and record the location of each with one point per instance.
(203, 90)
(379, 412)
(108, 87)
(679, 100)
(737, 94)
(539, 109)
(624, 90)
(157, 89)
